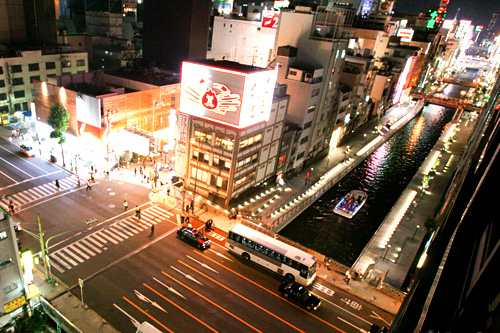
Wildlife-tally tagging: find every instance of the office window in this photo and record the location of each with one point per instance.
(17, 107)
(4, 109)
(66, 63)
(16, 69)
(203, 137)
(2, 83)
(19, 94)
(224, 143)
(3, 235)
(80, 62)
(3, 96)
(33, 78)
(50, 65)
(304, 140)
(33, 67)
(308, 124)
(1, 70)
(17, 81)
(5, 263)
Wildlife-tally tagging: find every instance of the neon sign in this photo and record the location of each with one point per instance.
(216, 98)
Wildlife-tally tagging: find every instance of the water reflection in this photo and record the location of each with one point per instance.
(383, 175)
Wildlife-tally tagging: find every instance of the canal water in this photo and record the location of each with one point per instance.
(383, 176)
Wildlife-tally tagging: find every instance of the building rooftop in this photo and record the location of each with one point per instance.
(231, 65)
(154, 76)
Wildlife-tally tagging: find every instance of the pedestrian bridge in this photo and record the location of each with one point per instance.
(448, 102)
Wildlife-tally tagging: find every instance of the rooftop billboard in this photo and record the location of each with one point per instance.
(226, 96)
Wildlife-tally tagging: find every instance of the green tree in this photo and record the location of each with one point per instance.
(58, 120)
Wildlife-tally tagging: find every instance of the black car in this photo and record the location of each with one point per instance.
(300, 294)
(194, 237)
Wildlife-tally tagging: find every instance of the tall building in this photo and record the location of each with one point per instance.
(28, 21)
(175, 31)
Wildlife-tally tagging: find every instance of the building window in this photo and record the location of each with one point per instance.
(293, 73)
(224, 143)
(33, 78)
(199, 175)
(5, 263)
(1, 70)
(66, 63)
(17, 81)
(308, 124)
(245, 179)
(50, 65)
(304, 140)
(33, 67)
(219, 181)
(315, 92)
(4, 109)
(2, 83)
(221, 163)
(19, 94)
(80, 62)
(16, 69)
(200, 157)
(248, 160)
(299, 156)
(250, 141)
(3, 235)
(3, 96)
(203, 137)
(17, 107)
(312, 108)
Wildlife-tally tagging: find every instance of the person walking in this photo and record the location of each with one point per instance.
(168, 191)
(78, 181)
(137, 212)
(182, 218)
(57, 184)
(89, 185)
(152, 230)
(135, 172)
(11, 207)
(125, 205)
(10, 140)
(187, 221)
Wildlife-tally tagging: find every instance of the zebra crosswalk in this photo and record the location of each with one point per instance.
(85, 248)
(36, 193)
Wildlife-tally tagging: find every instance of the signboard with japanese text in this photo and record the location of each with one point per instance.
(405, 34)
(270, 19)
(11, 306)
(229, 97)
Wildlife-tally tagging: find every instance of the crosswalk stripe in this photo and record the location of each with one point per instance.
(105, 235)
(162, 211)
(59, 260)
(130, 226)
(14, 200)
(146, 223)
(116, 233)
(25, 197)
(71, 253)
(44, 190)
(56, 266)
(99, 238)
(66, 182)
(133, 223)
(121, 230)
(40, 193)
(78, 251)
(85, 249)
(89, 244)
(151, 216)
(67, 258)
(32, 194)
(125, 228)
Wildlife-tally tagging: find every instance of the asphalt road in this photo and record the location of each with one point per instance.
(130, 276)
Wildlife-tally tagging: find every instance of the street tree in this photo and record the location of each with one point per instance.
(58, 120)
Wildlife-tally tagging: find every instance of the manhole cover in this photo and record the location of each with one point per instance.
(112, 193)
(111, 206)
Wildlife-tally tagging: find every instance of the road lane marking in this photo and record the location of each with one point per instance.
(243, 297)
(23, 159)
(147, 314)
(68, 251)
(15, 181)
(349, 323)
(89, 244)
(105, 235)
(3, 159)
(134, 321)
(78, 251)
(211, 302)
(269, 291)
(29, 179)
(59, 260)
(180, 308)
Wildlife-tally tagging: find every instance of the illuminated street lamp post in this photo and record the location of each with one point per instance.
(416, 229)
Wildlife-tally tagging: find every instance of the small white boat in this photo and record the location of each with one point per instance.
(349, 205)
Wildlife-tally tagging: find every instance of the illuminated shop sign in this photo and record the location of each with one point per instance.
(405, 34)
(437, 16)
(463, 26)
(225, 96)
(270, 19)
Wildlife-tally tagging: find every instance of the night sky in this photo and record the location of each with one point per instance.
(478, 11)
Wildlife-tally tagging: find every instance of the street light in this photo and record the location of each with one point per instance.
(193, 140)
(462, 93)
(387, 250)
(416, 229)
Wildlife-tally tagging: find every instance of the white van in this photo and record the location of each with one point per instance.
(146, 327)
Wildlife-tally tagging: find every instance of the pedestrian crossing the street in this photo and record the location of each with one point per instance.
(92, 245)
(39, 192)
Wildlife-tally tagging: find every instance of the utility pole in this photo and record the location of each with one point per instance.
(42, 247)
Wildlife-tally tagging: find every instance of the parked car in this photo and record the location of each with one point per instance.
(300, 294)
(194, 237)
(26, 150)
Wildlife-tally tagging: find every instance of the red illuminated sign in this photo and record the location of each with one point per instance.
(217, 97)
(270, 19)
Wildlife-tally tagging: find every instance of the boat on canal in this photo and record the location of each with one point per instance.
(350, 204)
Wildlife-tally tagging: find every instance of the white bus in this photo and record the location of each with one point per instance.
(286, 260)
